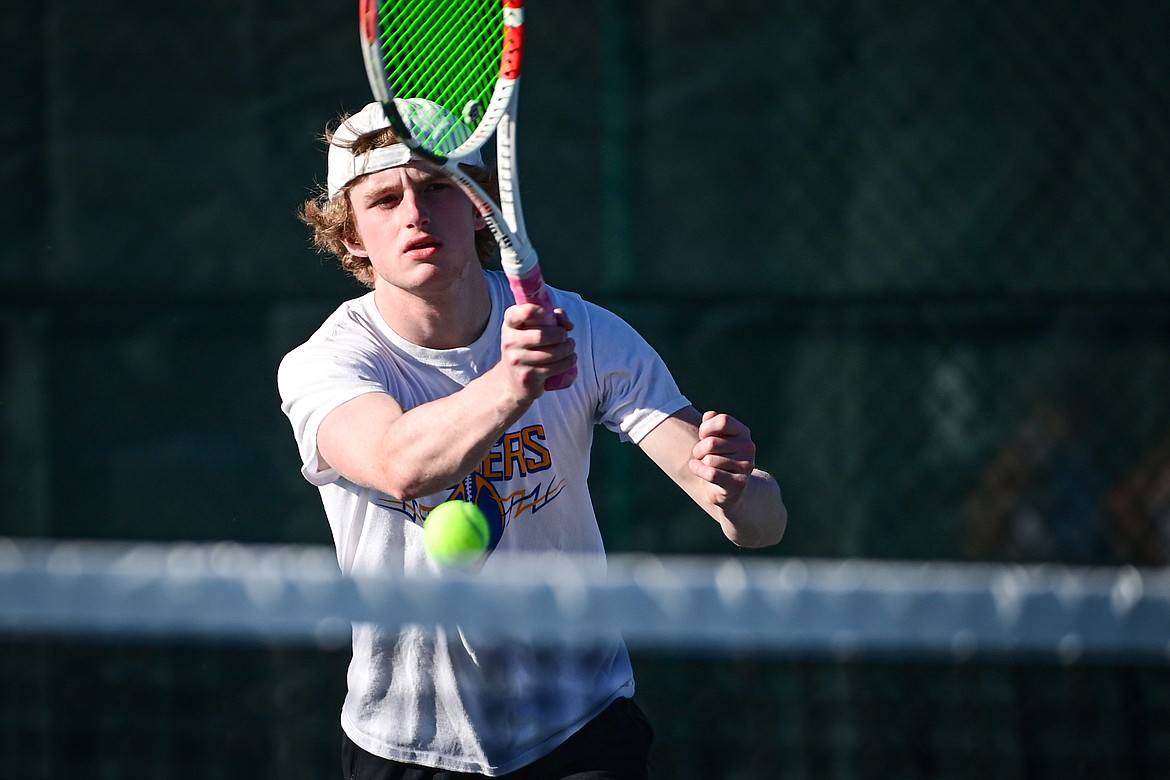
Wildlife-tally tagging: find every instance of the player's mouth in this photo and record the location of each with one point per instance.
(422, 247)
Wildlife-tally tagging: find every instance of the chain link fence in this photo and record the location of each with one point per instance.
(923, 249)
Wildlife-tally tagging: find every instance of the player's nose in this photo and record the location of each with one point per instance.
(414, 208)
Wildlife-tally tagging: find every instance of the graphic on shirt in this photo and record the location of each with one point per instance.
(503, 486)
(477, 490)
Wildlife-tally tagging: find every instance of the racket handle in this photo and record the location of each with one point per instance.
(529, 288)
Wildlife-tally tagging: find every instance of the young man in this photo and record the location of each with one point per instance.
(431, 387)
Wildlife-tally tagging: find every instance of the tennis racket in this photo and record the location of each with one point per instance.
(462, 56)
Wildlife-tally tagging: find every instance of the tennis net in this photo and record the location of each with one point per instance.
(226, 660)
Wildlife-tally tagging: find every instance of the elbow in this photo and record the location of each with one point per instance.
(765, 520)
(406, 491)
(404, 494)
(767, 532)
(781, 525)
(776, 531)
(402, 486)
(407, 481)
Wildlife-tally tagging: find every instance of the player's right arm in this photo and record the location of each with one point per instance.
(372, 441)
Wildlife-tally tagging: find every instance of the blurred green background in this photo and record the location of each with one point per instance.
(926, 256)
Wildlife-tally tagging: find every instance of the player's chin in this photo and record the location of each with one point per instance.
(434, 275)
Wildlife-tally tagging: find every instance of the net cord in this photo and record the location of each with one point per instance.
(228, 591)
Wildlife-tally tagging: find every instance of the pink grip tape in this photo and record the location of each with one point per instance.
(530, 288)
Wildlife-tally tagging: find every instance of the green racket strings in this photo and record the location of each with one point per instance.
(444, 51)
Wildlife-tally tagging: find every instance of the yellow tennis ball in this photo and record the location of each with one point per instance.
(456, 533)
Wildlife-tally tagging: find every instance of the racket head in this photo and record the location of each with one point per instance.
(461, 55)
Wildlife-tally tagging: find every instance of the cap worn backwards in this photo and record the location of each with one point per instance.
(426, 120)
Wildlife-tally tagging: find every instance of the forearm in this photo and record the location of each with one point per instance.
(758, 518)
(716, 468)
(433, 446)
(407, 453)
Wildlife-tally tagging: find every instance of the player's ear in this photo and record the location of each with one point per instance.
(354, 247)
(480, 222)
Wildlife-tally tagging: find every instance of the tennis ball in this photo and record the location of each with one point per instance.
(456, 533)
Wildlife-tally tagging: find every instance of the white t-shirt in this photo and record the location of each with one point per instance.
(445, 698)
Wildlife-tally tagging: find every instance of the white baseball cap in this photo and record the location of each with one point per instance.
(422, 117)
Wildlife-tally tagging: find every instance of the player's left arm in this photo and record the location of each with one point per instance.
(713, 459)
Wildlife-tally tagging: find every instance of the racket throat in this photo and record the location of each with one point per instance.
(518, 262)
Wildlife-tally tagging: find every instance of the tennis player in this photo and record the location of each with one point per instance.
(431, 387)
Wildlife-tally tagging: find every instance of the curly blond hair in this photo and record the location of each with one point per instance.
(332, 220)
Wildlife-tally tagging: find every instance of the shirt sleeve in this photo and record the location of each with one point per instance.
(314, 379)
(636, 389)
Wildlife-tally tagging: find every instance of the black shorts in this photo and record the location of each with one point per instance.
(613, 746)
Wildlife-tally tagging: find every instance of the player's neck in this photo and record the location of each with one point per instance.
(449, 318)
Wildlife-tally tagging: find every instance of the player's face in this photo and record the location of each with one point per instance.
(416, 226)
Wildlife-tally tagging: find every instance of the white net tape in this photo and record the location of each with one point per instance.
(842, 608)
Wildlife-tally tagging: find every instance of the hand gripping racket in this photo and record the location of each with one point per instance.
(463, 58)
